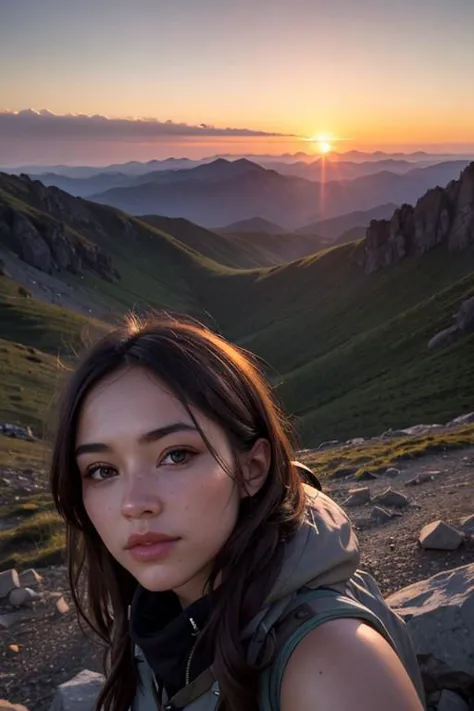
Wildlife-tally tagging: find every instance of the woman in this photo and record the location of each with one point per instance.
(213, 574)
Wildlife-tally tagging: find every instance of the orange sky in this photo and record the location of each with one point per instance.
(373, 74)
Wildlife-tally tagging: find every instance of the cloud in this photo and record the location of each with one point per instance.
(31, 124)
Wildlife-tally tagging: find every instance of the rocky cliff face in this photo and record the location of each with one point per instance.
(441, 216)
(53, 236)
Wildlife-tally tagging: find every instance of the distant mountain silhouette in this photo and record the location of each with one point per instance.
(255, 224)
(334, 227)
(224, 192)
(326, 170)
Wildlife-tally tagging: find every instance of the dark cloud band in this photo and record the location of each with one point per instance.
(46, 125)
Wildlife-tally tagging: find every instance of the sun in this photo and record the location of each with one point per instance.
(324, 147)
(323, 143)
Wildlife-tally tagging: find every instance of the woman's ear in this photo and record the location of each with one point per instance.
(255, 466)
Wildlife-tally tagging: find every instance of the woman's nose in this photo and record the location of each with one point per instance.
(140, 499)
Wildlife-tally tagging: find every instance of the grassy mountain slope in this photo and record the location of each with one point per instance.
(334, 227)
(34, 334)
(246, 250)
(347, 352)
(155, 269)
(253, 224)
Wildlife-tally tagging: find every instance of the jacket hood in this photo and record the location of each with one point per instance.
(323, 552)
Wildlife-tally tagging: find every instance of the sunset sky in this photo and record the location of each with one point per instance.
(373, 74)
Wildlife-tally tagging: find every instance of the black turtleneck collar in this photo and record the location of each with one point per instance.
(166, 635)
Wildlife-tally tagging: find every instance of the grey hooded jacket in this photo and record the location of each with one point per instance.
(323, 554)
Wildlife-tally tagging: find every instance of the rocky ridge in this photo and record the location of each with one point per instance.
(50, 234)
(442, 216)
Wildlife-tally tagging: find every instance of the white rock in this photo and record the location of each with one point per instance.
(439, 612)
(358, 497)
(437, 535)
(79, 693)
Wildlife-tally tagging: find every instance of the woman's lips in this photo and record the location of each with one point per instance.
(149, 546)
(152, 551)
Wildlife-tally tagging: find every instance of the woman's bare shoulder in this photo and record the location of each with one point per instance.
(345, 664)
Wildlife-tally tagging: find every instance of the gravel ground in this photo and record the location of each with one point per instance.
(52, 648)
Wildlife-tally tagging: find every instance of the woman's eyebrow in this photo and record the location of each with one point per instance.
(153, 436)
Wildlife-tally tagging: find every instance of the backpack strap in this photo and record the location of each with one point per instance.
(310, 609)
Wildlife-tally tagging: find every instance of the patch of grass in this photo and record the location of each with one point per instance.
(21, 454)
(377, 456)
(34, 540)
(39, 383)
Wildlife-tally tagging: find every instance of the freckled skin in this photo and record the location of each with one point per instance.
(141, 488)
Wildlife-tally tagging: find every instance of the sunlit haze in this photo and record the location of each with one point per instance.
(212, 77)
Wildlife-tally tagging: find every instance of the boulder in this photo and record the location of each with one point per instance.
(8, 581)
(22, 597)
(365, 475)
(391, 498)
(462, 420)
(439, 613)
(463, 323)
(392, 472)
(450, 701)
(466, 525)
(422, 478)
(30, 578)
(328, 444)
(380, 515)
(79, 693)
(358, 497)
(343, 472)
(438, 535)
(444, 338)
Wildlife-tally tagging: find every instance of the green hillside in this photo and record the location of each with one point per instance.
(155, 269)
(346, 352)
(238, 250)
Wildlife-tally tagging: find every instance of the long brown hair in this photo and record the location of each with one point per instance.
(225, 384)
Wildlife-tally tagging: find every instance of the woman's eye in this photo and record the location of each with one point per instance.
(177, 456)
(100, 472)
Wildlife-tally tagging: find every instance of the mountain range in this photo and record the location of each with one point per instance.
(344, 332)
(221, 192)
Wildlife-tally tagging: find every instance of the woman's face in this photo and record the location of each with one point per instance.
(147, 474)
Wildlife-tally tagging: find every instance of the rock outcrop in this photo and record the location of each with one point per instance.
(439, 613)
(463, 324)
(441, 216)
(55, 234)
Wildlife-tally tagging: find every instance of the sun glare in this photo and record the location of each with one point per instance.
(322, 143)
(324, 147)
